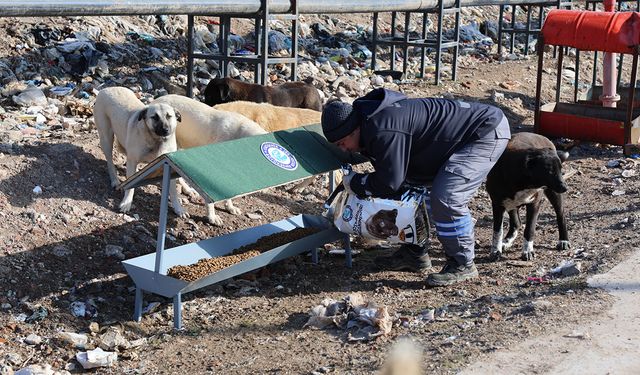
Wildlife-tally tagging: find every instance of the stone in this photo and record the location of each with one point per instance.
(77, 340)
(33, 339)
(61, 251)
(96, 358)
(114, 251)
(112, 340)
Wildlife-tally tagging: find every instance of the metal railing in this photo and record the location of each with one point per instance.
(15, 8)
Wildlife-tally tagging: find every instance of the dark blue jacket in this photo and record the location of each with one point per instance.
(410, 139)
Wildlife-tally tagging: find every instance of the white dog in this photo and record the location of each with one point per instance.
(141, 132)
(202, 125)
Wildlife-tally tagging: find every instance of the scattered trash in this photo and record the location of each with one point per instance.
(616, 193)
(568, 268)
(39, 314)
(96, 358)
(85, 310)
(32, 96)
(613, 164)
(628, 173)
(37, 190)
(367, 319)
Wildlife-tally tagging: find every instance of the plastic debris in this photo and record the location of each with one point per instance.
(568, 268)
(37, 190)
(96, 358)
(39, 314)
(367, 318)
(83, 310)
(32, 96)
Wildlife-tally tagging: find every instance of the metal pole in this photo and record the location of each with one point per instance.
(190, 56)
(162, 221)
(536, 122)
(374, 53)
(559, 74)
(177, 311)
(393, 37)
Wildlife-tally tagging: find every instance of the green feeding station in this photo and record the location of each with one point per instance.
(226, 170)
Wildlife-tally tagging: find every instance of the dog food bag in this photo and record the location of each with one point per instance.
(398, 221)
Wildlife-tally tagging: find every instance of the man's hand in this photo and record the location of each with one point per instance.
(346, 181)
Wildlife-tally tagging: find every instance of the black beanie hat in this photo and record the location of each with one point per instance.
(338, 120)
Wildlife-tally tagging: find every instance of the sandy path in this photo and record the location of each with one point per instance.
(610, 344)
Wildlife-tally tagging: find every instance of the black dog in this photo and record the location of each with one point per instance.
(289, 94)
(529, 168)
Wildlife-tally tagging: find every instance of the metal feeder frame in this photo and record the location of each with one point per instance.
(530, 29)
(584, 119)
(261, 58)
(149, 272)
(405, 42)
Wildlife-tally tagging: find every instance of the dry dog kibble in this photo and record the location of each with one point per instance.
(208, 266)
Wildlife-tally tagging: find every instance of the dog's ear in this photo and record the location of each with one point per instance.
(394, 213)
(563, 155)
(142, 114)
(225, 92)
(178, 115)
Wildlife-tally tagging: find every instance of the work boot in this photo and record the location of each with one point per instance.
(407, 258)
(452, 273)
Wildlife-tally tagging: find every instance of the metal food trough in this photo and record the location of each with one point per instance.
(216, 176)
(149, 272)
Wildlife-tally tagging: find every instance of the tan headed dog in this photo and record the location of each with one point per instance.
(141, 132)
(202, 125)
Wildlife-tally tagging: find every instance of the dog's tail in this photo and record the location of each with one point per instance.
(405, 358)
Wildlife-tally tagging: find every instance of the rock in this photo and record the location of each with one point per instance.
(77, 340)
(96, 358)
(13, 359)
(113, 339)
(114, 251)
(94, 327)
(61, 251)
(40, 370)
(33, 339)
(6, 369)
(253, 216)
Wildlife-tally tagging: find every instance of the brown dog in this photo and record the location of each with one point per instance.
(270, 117)
(289, 94)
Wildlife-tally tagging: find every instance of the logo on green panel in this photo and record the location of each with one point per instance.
(279, 156)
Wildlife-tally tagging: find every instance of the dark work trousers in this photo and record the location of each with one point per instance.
(453, 187)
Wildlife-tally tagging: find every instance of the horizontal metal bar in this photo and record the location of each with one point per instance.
(36, 8)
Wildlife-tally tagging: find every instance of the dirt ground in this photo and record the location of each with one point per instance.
(53, 252)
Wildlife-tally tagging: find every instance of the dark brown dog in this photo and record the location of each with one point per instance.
(529, 169)
(289, 94)
(383, 224)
